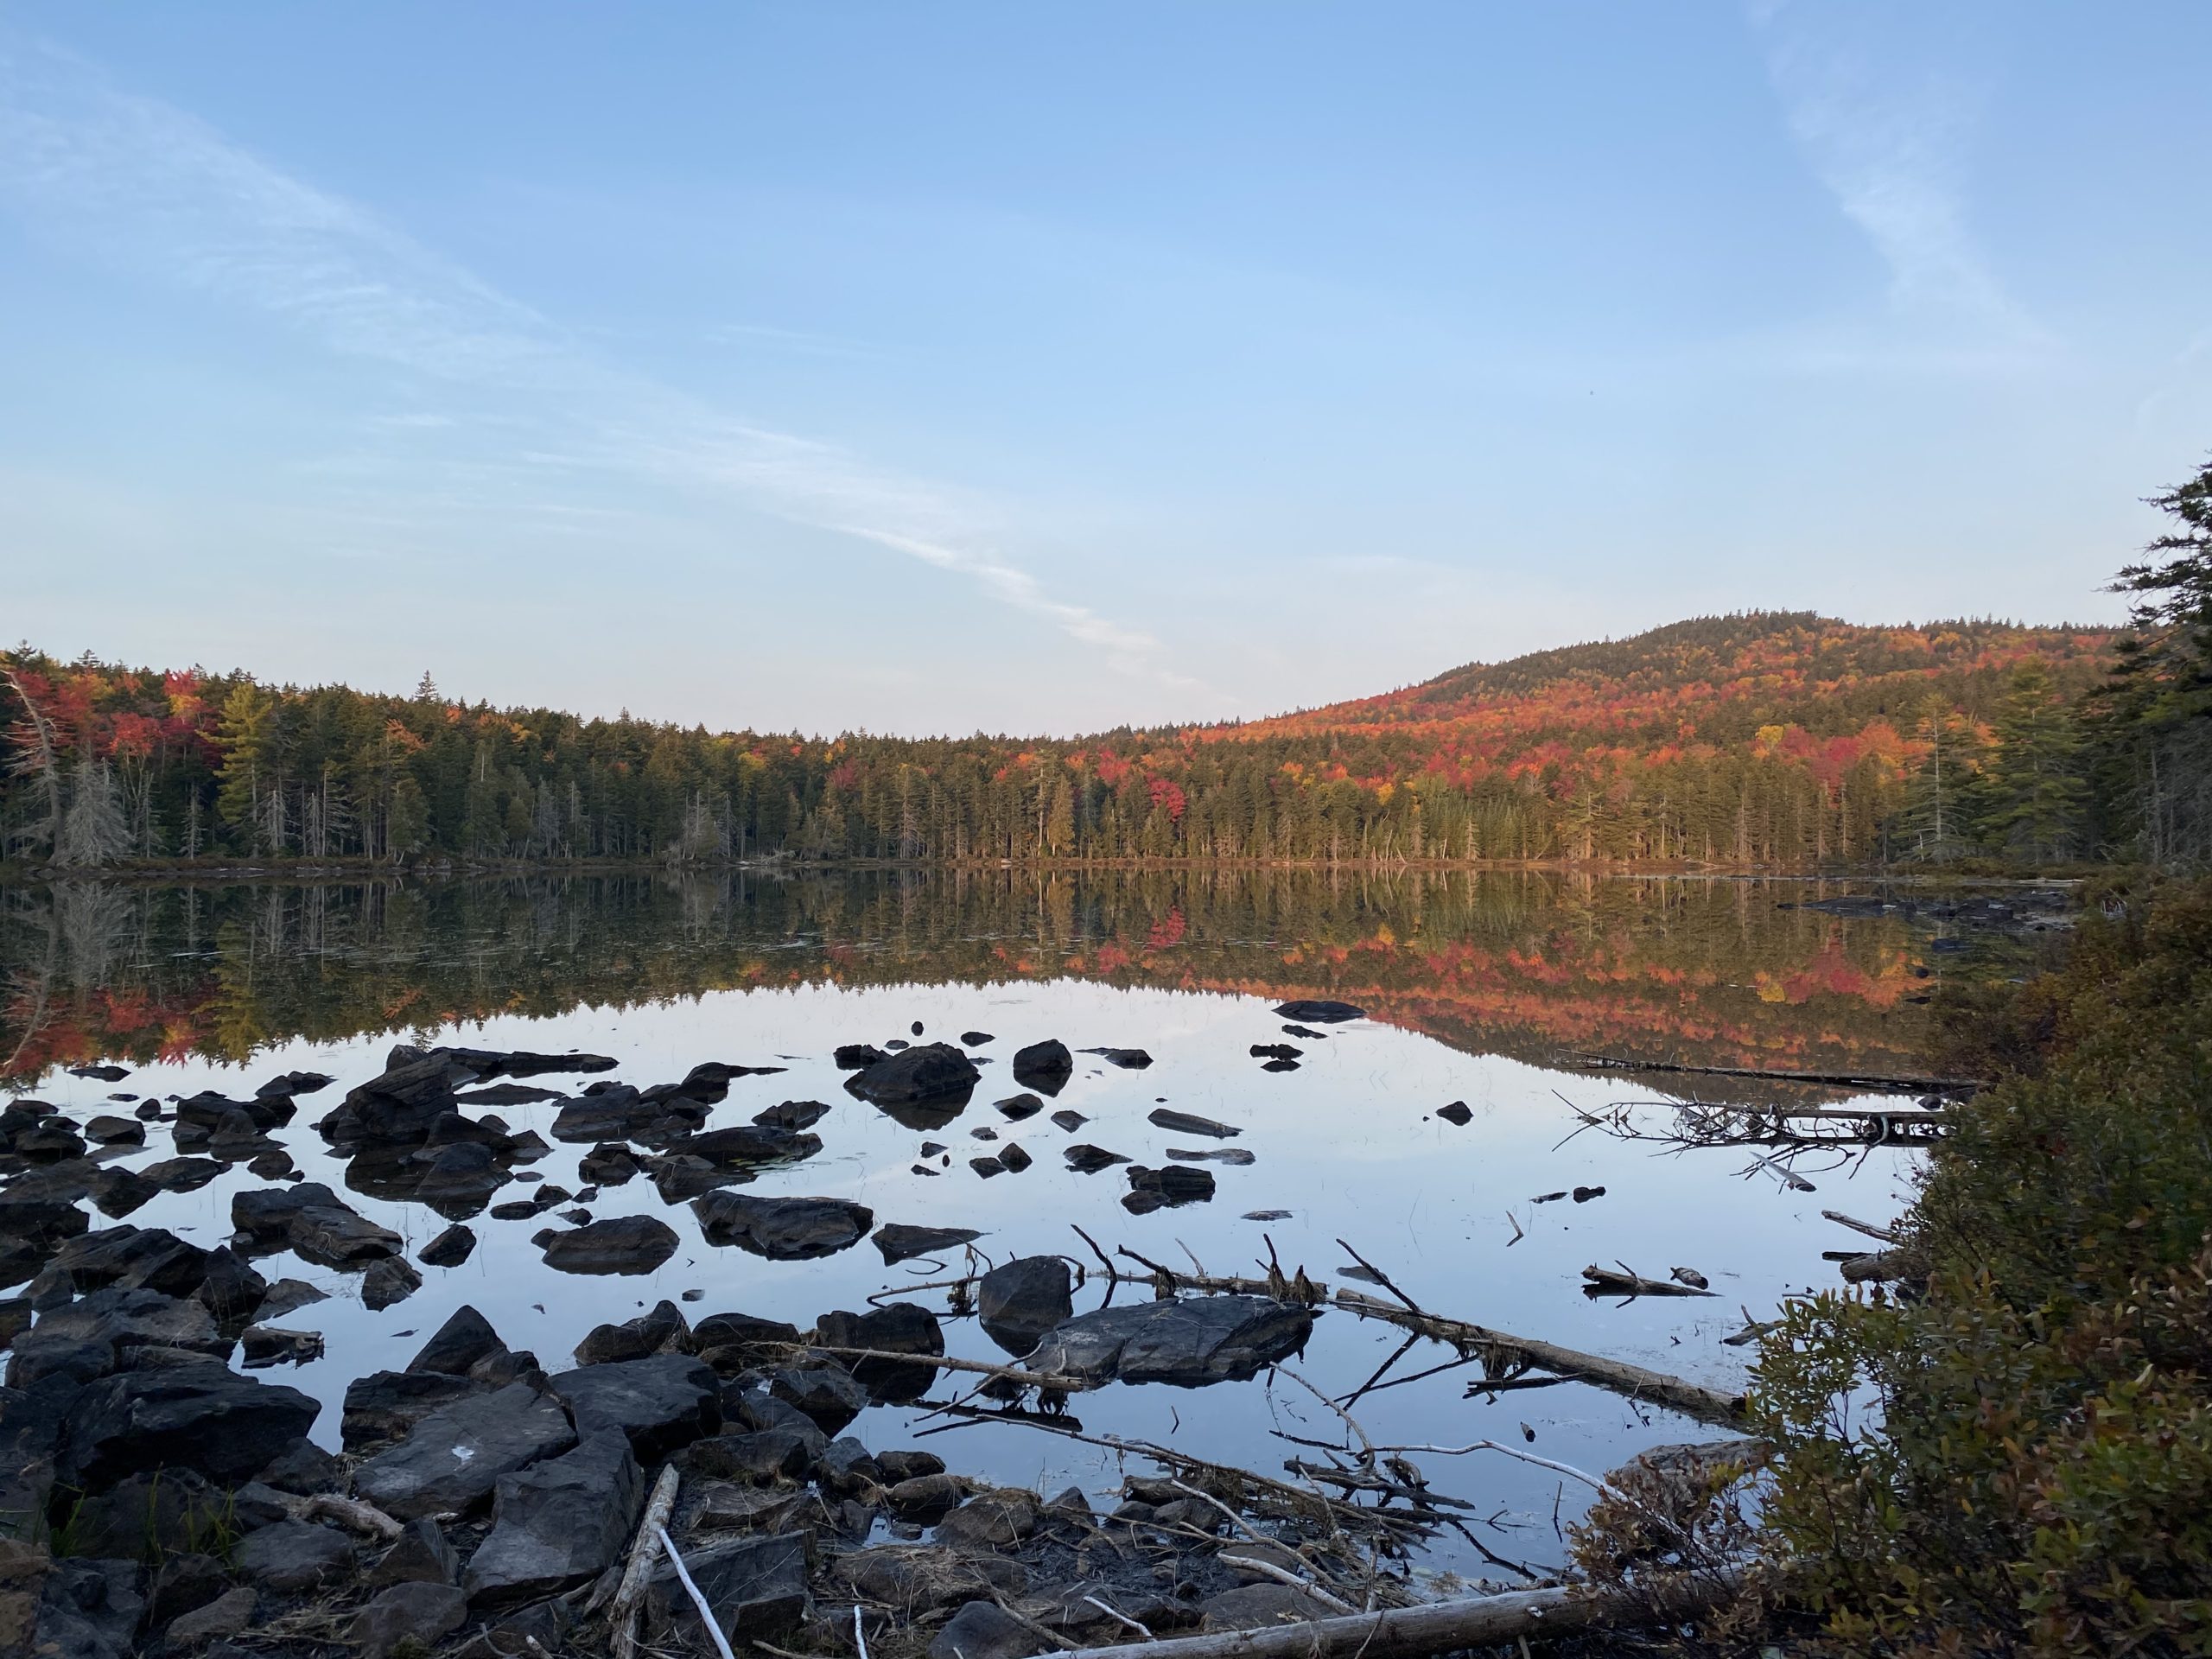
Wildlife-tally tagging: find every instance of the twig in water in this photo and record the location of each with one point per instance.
(706, 1613)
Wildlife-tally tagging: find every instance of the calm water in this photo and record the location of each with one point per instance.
(1479, 989)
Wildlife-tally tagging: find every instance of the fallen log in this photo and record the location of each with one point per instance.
(1448, 1626)
(1501, 1350)
(1604, 1281)
(1871, 1081)
(1884, 1234)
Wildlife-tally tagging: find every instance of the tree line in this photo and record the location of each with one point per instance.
(1757, 739)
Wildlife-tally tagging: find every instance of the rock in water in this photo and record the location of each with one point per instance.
(449, 1248)
(1176, 1184)
(857, 1056)
(649, 1333)
(1129, 1059)
(206, 1418)
(623, 1244)
(1323, 1013)
(1188, 1343)
(463, 1339)
(1187, 1124)
(900, 1242)
(900, 1328)
(1456, 1113)
(1044, 1066)
(930, 1072)
(1023, 1300)
(783, 1229)
(661, 1402)
(559, 1523)
(453, 1459)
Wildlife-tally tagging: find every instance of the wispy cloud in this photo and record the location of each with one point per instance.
(136, 181)
(1886, 140)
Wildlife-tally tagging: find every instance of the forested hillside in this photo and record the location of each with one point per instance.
(1767, 737)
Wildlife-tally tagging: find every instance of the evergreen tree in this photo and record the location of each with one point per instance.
(2033, 789)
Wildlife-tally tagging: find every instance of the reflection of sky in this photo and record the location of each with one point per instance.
(1347, 1143)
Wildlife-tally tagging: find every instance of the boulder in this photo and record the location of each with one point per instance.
(206, 1418)
(930, 1073)
(41, 1221)
(1457, 1113)
(829, 1395)
(983, 1629)
(760, 1457)
(1188, 1343)
(925, 1499)
(661, 1402)
(623, 1244)
(269, 1344)
(748, 1145)
(559, 1523)
(783, 1229)
(898, 1328)
(1016, 1108)
(1023, 1299)
(609, 1164)
(313, 1220)
(857, 1056)
(293, 1557)
(407, 1616)
(736, 1341)
(793, 1114)
(288, 1296)
(1321, 1012)
(415, 1090)
(1044, 1066)
(422, 1555)
(995, 1520)
(392, 1280)
(449, 1248)
(1262, 1606)
(101, 1333)
(232, 1289)
(454, 1457)
(109, 1130)
(649, 1333)
(900, 1242)
(756, 1586)
(384, 1405)
(464, 1338)
(150, 1516)
(1129, 1059)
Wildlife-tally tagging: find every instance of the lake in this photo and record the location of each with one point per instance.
(1481, 988)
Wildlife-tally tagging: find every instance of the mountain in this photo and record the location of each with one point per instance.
(1762, 738)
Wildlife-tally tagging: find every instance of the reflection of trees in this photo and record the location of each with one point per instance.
(1515, 963)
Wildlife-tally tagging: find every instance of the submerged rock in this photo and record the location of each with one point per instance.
(1188, 1343)
(784, 1230)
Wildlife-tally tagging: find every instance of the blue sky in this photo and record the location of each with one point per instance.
(1045, 367)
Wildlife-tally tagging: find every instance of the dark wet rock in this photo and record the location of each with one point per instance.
(608, 1164)
(508, 1094)
(288, 1296)
(829, 1395)
(407, 1619)
(625, 1244)
(275, 1165)
(1024, 1298)
(295, 1082)
(742, 1338)
(15, 1318)
(392, 1280)
(1089, 1160)
(1262, 1606)
(1280, 1065)
(229, 1613)
(1187, 1124)
(578, 1216)
(1238, 1155)
(661, 1402)
(1188, 1343)
(857, 1056)
(102, 1073)
(748, 1144)
(150, 1514)
(1044, 1066)
(1013, 1158)
(465, 1337)
(995, 1520)
(1129, 1059)
(784, 1230)
(756, 1586)
(916, 1580)
(178, 1174)
(422, 1555)
(680, 1179)
(110, 1131)
(400, 1105)
(314, 1221)
(105, 1331)
(384, 1405)
(897, 1328)
(48, 1138)
(182, 1583)
(984, 1133)
(206, 1418)
(727, 1506)
(133, 1258)
(983, 1629)
(1457, 1112)
(1320, 1013)
(663, 1328)
(427, 1473)
(618, 1112)
(760, 1457)
(559, 1523)
(1068, 1120)
(1014, 1108)
(848, 1467)
(1584, 1194)
(1176, 1184)
(303, 1468)
(39, 1221)
(231, 1287)
(516, 1210)
(1275, 1051)
(269, 1344)
(900, 1242)
(987, 1168)
(449, 1248)
(909, 1466)
(793, 1114)
(932, 1073)
(1072, 1611)
(294, 1557)
(925, 1499)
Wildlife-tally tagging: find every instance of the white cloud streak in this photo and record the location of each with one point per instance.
(135, 181)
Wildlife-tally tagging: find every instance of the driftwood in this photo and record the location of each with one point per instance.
(1604, 1281)
(1448, 1626)
(1505, 1352)
(1886, 1235)
(1875, 1083)
(351, 1512)
(624, 1613)
(1053, 1382)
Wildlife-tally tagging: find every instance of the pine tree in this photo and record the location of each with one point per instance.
(242, 735)
(2033, 787)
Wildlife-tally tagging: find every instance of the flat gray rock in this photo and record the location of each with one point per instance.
(1022, 1299)
(783, 1229)
(900, 1242)
(1188, 1343)
(756, 1587)
(559, 1523)
(203, 1417)
(625, 1244)
(661, 1402)
(454, 1457)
